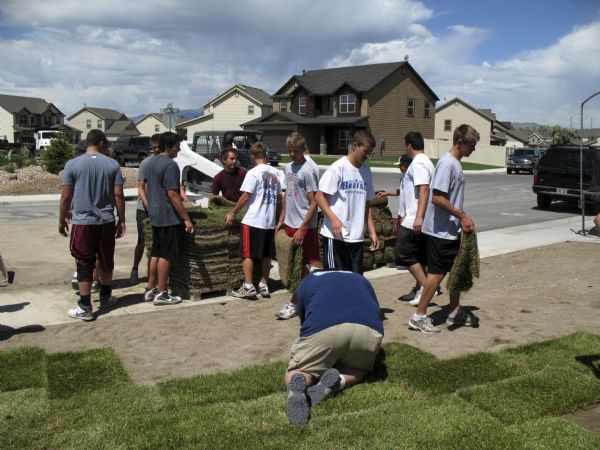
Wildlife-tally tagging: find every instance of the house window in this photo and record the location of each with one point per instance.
(328, 105)
(344, 140)
(410, 107)
(347, 103)
(250, 110)
(22, 120)
(301, 105)
(156, 128)
(283, 104)
(427, 109)
(447, 125)
(99, 124)
(88, 124)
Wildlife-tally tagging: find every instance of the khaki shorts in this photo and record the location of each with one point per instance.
(344, 346)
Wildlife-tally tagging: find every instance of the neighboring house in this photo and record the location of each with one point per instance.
(539, 139)
(113, 123)
(21, 116)
(491, 131)
(229, 109)
(327, 106)
(157, 123)
(591, 136)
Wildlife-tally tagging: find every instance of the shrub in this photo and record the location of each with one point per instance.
(20, 160)
(56, 156)
(9, 168)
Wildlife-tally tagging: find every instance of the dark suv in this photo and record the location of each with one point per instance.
(557, 176)
(522, 159)
(132, 149)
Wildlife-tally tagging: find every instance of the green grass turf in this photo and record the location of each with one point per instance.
(507, 399)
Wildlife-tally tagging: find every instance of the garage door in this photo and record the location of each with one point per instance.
(276, 139)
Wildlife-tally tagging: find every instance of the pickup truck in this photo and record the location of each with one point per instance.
(522, 159)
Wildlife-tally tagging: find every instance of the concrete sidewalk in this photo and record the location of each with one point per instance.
(48, 305)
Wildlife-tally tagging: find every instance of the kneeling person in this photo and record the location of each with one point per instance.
(340, 336)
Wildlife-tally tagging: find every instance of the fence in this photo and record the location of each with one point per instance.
(492, 155)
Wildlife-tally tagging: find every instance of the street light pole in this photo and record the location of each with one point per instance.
(581, 196)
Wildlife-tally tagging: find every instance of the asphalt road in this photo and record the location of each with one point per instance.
(493, 200)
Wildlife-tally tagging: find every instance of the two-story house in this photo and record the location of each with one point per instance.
(229, 109)
(153, 123)
(328, 105)
(21, 116)
(113, 123)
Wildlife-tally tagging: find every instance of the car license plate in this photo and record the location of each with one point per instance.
(562, 191)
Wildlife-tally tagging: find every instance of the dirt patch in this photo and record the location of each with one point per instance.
(522, 297)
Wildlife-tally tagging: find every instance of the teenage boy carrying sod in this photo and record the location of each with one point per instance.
(345, 192)
(261, 190)
(299, 209)
(444, 220)
(166, 213)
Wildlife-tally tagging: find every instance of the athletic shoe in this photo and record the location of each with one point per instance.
(164, 298)
(263, 290)
(150, 294)
(110, 302)
(424, 325)
(133, 277)
(410, 296)
(462, 318)
(439, 291)
(328, 384)
(75, 282)
(80, 313)
(415, 301)
(287, 311)
(298, 410)
(95, 287)
(244, 292)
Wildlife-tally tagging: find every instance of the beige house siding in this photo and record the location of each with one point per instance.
(147, 127)
(205, 123)
(459, 114)
(80, 120)
(6, 125)
(388, 117)
(232, 111)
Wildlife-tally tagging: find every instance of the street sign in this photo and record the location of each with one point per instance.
(169, 112)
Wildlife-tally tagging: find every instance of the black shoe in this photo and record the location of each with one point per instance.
(410, 296)
(327, 385)
(298, 410)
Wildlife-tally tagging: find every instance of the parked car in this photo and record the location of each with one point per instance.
(557, 176)
(131, 149)
(273, 157)
(522, 159)
(81, 147)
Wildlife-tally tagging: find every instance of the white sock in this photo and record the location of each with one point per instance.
(261, 284)
(248, 285)
(418, 316)
(342, 382)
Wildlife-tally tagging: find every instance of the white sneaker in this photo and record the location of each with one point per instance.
(80, 313)
(263, 290)
(287, 311)
(150, 294)
(415, 301)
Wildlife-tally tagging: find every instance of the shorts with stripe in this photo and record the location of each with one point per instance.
(91, 242)
(256, 243)
(310, 244)
(340, 255)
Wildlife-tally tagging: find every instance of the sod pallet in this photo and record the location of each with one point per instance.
(210, 259)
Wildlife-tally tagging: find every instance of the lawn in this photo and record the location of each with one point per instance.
(385, 161)
(509, 399)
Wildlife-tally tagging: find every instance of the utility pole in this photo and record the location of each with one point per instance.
(170, 112)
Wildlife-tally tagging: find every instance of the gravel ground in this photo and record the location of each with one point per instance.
(34, 180)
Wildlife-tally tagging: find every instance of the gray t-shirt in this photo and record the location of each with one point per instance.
(142, 171)
(300, 179)
(448, 178)
(162, 174)
(93, 177)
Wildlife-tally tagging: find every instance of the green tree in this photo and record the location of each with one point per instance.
(57, 154)
(561, 135)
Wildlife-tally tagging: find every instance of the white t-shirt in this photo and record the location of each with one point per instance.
(301, 179)
(419, 173)
(448, 178)
(401, 207)
(348, 188)
(262, 182)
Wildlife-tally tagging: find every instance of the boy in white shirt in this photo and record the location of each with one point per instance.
(344, 196)
(261, 189)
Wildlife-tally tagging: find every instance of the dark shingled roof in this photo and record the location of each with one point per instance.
(258, 94)
(106, 113)
(15, 103)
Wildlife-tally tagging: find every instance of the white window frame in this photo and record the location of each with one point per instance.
(302, 105)
(410, 107)
(156, 128)
(343, 137)
(347, 103)
(250, 110)
(448, 125)
(283, 105)
(88, 124)
(99, 124)
(427, 109)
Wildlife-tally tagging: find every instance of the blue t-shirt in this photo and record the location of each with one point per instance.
(93, 177)
(326, 299)
(162, 174)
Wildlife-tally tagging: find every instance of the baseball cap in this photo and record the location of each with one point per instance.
(404, 159)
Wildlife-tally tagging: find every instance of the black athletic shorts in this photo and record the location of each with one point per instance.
(256, 243)
(441, 254)
(140, 216)
(340, 255)
(166, 242)
(410, 248)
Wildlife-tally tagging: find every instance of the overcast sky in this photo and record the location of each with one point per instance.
(528, 60)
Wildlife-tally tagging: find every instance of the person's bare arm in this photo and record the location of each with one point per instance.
(312, 209)
(120, 205)
(239, 205)
(371, 226)
(183, 194)
(440, 199)
(141, 185)
(66, 198)
(281, 220)
(175, 199)
(421, 206)
(336, 223)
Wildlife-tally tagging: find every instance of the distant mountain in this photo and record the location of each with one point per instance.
(186, 113)
(526, 125)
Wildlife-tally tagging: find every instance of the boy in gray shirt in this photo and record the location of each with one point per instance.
(444, 220)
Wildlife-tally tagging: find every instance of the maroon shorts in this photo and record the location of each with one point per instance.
(91, 242)
(310, 244)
